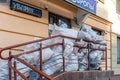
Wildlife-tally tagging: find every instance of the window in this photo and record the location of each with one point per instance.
(118, 49)
(101, 1)
(99, 32)
(118, 6)
(3, 1)
(59, 21)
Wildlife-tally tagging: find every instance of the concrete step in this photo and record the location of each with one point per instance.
(85, 75)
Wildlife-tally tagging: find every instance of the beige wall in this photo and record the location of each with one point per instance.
(17, 27)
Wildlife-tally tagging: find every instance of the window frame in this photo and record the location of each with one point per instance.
(118, 51)
(57, 17)
(100, 32)
(6, 2)
(117, 5)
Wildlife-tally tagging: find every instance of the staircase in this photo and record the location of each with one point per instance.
(85, 75)
(77, 75)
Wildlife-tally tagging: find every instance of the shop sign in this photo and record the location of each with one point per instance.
(89, 5)
(25, 9)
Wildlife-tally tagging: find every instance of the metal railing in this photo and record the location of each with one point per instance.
(12, 66)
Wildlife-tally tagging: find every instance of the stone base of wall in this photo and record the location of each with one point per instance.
(115, 77)
(86, 75)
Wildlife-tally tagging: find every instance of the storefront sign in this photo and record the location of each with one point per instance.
(25, 9)
(89, 5)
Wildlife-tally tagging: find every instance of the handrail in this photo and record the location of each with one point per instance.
(37, 49)
(33, 68)
(40, 49)
(18, 72)
(39, 40)
(22, 44)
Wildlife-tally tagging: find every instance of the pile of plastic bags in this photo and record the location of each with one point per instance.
(97, 42)
(75, 58)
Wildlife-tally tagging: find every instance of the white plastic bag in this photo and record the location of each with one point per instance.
(58, 49)
(96, 46)
(96, 54)
(54, 64)
(68, 47)
(3, 70)
(103, 42)
(84, 35)
(64, 31)
(99, 38)
(102, 47)
(62, 24)
(89, 34)
(83, 63)
(94, 64)
(72, 64)
(31, 47)
(34, 57)
(85, 28)
(81, 43)
(52, 41)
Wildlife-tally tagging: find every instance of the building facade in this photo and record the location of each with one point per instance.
(17, 26)
(110, 10)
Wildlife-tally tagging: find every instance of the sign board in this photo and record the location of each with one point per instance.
(89, 5)
(25, 9)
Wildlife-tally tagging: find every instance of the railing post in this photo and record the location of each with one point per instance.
(10, 64)
(63, 55)
(15, 75)
(106, 58)
(40, 78)
(88, 56)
